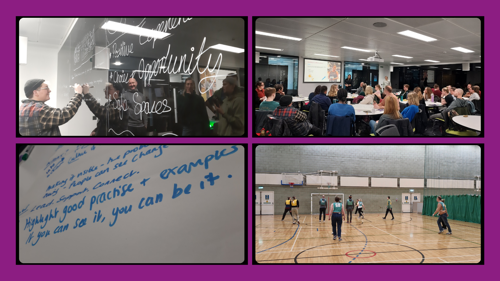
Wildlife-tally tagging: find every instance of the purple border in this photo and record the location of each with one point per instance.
(231, 8)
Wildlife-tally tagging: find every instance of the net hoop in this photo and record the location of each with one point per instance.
(291, 184)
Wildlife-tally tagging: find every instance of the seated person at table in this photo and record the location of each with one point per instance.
(436, 90)
(391, 111)
(269, 103)
(378, 92)
(468, 93)
(368, 99)
(362, 93)
(446, 97)
(316, 91)
(428, 95)
(322, 99)
(333, 91)
(297, 120)
(342, 108)
(475, 93)
(405, 91)
(311, 96)
(458, 102)
(412, 108)
(387, 92)
(259, 88)
(279, 92)
(360, 89)
(418, 91)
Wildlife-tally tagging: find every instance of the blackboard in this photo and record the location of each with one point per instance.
(91, 55)
(133, 204)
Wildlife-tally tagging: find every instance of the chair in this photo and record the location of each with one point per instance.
(479, 106)
(402, 106)
(403, 126)
(316, 116)
(453, 129)
(260, 117)
(339, 126)
(388, 131)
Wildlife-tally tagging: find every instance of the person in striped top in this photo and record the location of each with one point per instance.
(443, 215)
(336, 214)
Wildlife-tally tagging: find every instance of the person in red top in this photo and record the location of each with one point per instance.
(436, 90)
(259, 88)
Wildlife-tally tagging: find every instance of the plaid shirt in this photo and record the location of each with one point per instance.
(113, 118)
(38, 119)
(296, 120)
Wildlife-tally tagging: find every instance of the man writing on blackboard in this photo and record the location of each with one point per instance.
(232, 110)
(38, 119)
(137, 122)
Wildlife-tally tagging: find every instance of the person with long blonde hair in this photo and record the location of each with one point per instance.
(391, 111)
(333, 91)
(418, 91)
(411, 110)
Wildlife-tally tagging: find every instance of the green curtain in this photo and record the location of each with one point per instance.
(460, 207)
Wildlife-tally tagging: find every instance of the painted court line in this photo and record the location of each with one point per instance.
(296, 238)
(281, 243)
(392, 235)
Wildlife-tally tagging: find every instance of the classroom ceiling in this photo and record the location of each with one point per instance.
(328, 35)
(45, 31)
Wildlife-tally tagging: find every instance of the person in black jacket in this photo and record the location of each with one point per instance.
(192, 112)
(113, 116)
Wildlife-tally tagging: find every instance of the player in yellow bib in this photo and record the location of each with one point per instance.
(295, 210)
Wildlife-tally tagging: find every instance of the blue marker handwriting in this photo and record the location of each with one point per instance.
(186, 168)
(101, 198)
(117, 210)
(122, 177)
(71, 208)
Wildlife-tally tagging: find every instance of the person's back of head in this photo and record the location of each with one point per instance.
(286, 100)
(475, 89)
(436, 86)
(391, 107)
(459, 92)
(413, 99)
(269, 92)
(368, 91)
(388, 89)
(333, 90)
(323, 89)
(342, 95)
(317, 90)
(278, 87)
(337, 199)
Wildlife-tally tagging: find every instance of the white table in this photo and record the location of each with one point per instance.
(300, 100)
(360, 109)
(427, 103)
(471, 121)
(351, 97)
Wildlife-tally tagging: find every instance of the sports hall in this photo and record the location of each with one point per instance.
(413, 176)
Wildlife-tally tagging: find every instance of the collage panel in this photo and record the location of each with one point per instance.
(134, 76)
(368, 76)
(368, 204)
(132, 204)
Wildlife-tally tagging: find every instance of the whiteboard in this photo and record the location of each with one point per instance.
(321, 71)
(133, 204)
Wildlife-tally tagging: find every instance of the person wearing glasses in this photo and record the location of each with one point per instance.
(38, 119)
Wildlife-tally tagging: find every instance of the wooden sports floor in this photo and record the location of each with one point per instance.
(409, 238)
